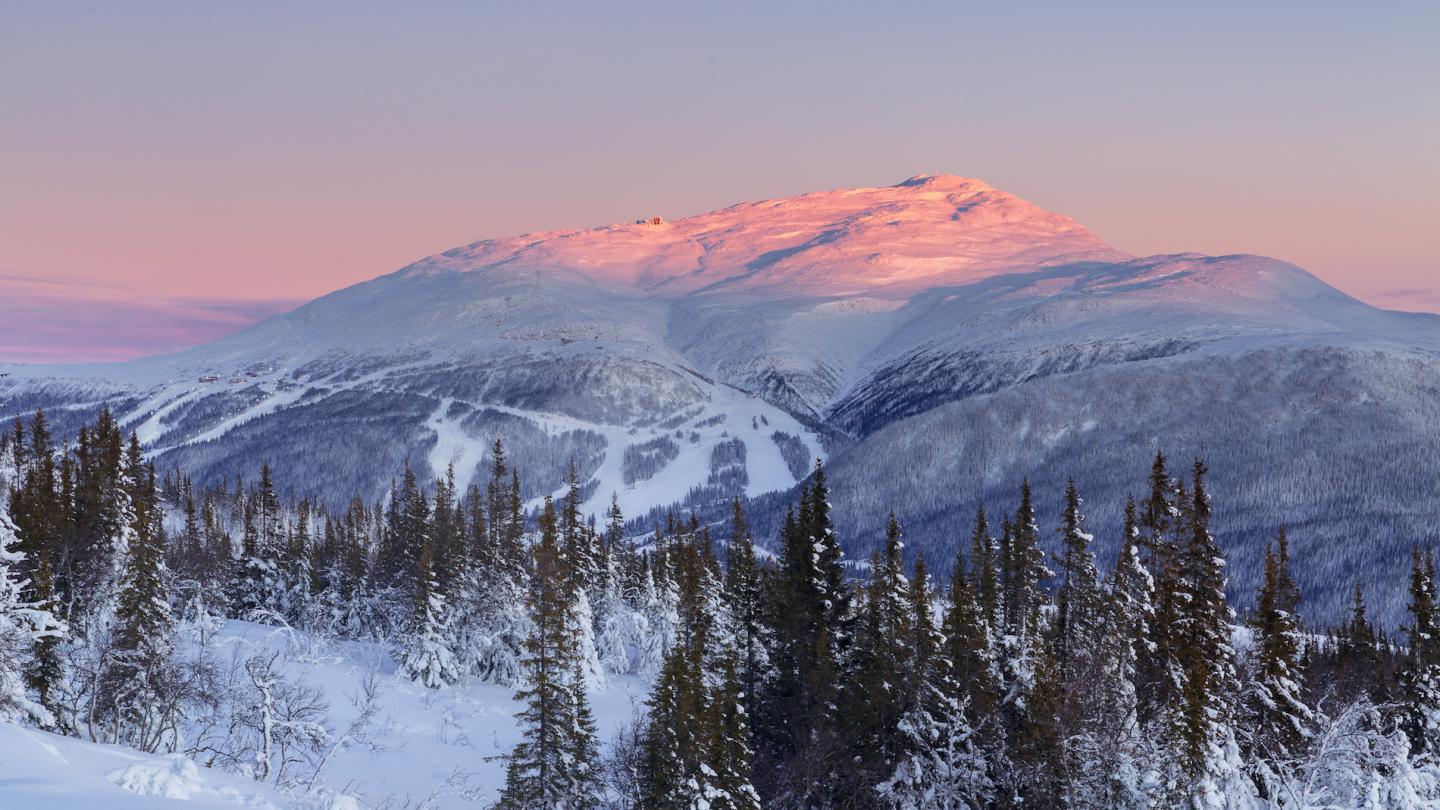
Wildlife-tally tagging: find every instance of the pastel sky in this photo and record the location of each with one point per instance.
(170, 171)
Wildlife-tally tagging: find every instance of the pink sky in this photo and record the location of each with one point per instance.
(172, 171)
(68, 319)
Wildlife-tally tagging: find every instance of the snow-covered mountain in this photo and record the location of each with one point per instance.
(938, 340)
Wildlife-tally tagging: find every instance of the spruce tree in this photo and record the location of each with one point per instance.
(794, 621)
(968, 646)
(257, 588)
(87, 573)
(743, 597)
(834, 593)
(1028, 571)
(1123, 736)
(24, 626)
(1357, 641)
(1280, 721)
(696, 745)
(1075, 670)
(812, 626)
(730, 753)
(1420, 682)
(924, 640)
(1132, 649)
(876, 694)
(984, 583)
(296, 578)
(1358, 653)
(140, 674)
(45, 672)
(407, 518)
(1029, 690)
(674, 737)
(1204, 737)
(496, 620)
(190, 561)
(1158, 678)
(449, 557)
(427, 657)
(505, 516)
(36, 508)
(940, 757)
(1077, 601)
(551, 768)
(580, 552)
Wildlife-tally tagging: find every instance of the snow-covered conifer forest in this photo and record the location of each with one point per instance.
(467, 646)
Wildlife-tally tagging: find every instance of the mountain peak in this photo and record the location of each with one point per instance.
(946, 182)
(926, 231)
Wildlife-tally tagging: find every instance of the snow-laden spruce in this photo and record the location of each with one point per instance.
(23, 624)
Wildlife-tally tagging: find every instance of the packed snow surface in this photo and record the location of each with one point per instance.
(433, 748)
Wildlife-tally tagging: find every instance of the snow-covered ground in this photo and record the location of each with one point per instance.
(41, 770)
(432, 749)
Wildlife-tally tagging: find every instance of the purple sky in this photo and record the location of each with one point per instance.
(170, 171)
(68, 319)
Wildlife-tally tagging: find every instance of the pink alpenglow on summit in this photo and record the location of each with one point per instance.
(929, 230)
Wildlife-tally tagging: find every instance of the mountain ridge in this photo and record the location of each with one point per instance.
(684, 362)
(751, 242)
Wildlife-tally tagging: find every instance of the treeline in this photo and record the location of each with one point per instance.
(782, 678)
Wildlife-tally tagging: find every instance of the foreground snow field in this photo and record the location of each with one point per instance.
(41, 770)
(425, 749)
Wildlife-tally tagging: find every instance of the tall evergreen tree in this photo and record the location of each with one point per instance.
(1027, 564)
(1203, 713)
(581, 554)
(877, 694)
(1078, 601)
(1158, 678)
(1420, 684)
(296, 578)
(140, 673)
(1076, 668)
(743, 595)
(697, 750)
(812, 626)
(256, 587)
(1123, 737)
(24, 627)
(544, 771)
(941, 760)
(834, 592)
(496, 620)
(984, 583)
(730, 752)
(968, 648)
(427, 657)
(1280, 721)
